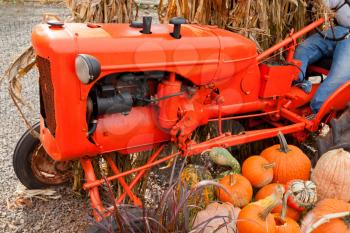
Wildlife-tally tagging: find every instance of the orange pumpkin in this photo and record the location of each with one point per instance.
(326, 207)
(256, 217)
(334, 226)
(283, 223)
(290, 162)
(290, 213)
(287, 225)
(267, 191)
(240, 190)
(258, 171)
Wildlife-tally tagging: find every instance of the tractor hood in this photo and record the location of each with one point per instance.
(120, 47)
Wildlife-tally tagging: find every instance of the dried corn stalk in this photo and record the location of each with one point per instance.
(14, 74)
(102, 11)
(264, 21)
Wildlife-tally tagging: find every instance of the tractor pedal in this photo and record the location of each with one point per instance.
(310, 117)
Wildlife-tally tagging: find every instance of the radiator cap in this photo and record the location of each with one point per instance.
(55, 23)
(93, 25)
(177, 21)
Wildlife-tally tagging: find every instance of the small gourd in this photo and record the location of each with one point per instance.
(285, 224)
(290, 212)
(270, 189)
(223, 157)
(301, 194)
(290, 162)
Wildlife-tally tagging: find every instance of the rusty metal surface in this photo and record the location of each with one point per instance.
(46, 94)
(47, 170)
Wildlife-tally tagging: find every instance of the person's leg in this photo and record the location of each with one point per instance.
(310, 51)
(313, 49)
(338, 75)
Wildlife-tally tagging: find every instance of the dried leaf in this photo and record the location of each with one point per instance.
(43, 194)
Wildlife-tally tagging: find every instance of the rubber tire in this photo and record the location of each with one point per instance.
(22, 158)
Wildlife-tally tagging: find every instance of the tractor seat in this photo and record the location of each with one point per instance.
(325, 63)
(321, 67)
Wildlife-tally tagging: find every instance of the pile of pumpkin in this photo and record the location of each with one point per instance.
(290, 196)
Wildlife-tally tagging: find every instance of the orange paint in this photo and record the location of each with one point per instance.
(222, 68)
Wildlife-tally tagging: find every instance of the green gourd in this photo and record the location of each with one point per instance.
(223, 157)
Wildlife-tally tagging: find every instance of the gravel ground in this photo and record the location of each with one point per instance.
(70, 212)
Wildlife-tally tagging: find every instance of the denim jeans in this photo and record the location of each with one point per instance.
(313, 49)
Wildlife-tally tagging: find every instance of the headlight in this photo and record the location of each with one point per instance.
(87, 68)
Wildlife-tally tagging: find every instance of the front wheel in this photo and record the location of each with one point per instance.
(34, 167)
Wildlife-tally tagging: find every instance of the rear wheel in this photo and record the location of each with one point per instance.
(34, 167)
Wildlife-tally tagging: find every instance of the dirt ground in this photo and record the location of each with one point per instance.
(70, 213)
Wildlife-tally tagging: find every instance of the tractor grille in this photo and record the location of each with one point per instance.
(47, 103)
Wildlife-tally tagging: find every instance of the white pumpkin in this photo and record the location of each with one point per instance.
(302, 193)
(214, 216)
(332, 175)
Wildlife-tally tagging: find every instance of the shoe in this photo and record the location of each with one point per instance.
(310, 117)
(305, 85)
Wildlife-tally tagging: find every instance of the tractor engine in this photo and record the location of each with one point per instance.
(119, 87)
(119, 93)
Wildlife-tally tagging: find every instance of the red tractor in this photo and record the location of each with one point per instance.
(129, 88)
